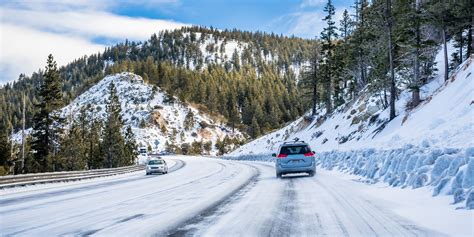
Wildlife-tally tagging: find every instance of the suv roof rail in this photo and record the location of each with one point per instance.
(294, 142)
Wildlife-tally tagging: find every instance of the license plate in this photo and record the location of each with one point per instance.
(295, 161)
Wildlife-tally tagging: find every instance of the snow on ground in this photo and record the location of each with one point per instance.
(444, 119)
(416, 205)
(429, 145)
(218, 50)
(141, 103)
(140, 204)
(446, 171)
(81, 183)
(214, 197)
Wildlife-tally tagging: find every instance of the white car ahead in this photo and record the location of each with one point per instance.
(156, 166)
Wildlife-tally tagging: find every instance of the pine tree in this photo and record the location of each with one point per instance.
(196, 148)
(360, 41)
(438, 10)
(411, 40)
(207, 147)
(220, 147)
(327, 36)
(236, 60)
(189, 120)
(131, 147)
(96, 157)
(47, 122)
(5, 146)
(247, 112)
(461, 20)
(72, 149)
(231, 109)
(338, 75)
(345, 25)
(393, 91)
(113, 141)
(311, 76)
(254, 130)
(416, 85)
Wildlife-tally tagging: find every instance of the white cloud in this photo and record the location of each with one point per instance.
(103, 5)
(24, 50)
(312, 3)
(88, 23)
(29, 33)
(306, 24)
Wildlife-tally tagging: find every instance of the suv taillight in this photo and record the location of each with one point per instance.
(282, 155)
(309, 154)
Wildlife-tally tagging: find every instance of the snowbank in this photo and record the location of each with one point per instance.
(446, 171)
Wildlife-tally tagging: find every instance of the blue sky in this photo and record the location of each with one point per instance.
(31, 29)
(264, 15)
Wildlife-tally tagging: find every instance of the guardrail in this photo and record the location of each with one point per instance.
(64, 176)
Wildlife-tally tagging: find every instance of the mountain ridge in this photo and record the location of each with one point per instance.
(191, 49)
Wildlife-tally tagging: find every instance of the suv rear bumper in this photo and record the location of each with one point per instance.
(303, 169)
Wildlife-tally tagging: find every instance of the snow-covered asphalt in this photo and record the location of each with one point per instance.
(204, 197)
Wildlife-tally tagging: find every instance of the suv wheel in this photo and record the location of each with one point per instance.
(311, 174)
(278, 175)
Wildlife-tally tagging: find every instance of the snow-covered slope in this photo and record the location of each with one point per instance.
(141, 104)
(444, 119)
(431, 145)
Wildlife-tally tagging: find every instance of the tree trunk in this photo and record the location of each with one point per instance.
(469, 42)
(315, 88)
(361, 64)
(392, 73)
(22, 168)
(416, 85)
(471, 33)
(415, 97)
(315, 99)
(328, 91)
(445, 54)
(461, 44)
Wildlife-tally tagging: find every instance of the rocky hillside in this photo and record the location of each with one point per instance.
(157, 120)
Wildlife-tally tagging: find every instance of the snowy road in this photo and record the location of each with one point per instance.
(204, 197)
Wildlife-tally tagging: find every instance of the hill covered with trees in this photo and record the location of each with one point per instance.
(240, 75)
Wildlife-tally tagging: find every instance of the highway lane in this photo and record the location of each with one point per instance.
(202, 197)
(132, 205)
(299, 205)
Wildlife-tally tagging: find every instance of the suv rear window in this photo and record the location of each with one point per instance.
(155, 162)
(295, 150)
